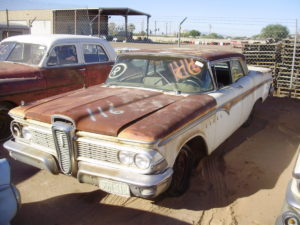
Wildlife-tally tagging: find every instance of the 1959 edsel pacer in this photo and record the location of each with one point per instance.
(141, 133)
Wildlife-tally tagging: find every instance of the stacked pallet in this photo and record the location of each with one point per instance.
(288, 85)
(264, 55)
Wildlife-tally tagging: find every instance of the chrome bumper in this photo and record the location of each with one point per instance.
(291, 207)
(141, 185)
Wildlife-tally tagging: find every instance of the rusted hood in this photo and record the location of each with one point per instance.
(14, 70)
(128, 113)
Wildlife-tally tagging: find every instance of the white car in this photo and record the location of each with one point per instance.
(142, 132)
(291, 209)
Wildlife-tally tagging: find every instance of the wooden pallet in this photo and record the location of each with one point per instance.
(286, 92)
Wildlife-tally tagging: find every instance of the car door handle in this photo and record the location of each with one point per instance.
(82, 69)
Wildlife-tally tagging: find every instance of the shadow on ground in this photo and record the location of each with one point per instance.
(84, 208)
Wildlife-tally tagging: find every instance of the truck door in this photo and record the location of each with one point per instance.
(64, 72)
(97, 63)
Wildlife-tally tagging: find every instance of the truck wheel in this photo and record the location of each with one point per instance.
(5, 120)
(182, 172)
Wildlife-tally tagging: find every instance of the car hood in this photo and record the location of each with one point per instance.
(124, 112)
(10, 70)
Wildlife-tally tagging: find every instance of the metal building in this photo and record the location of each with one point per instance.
(69, 21)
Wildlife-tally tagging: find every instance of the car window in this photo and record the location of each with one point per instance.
(179, 74)
(222, 73)
(94, 53)
(26, 53)
(5, 49)
(236, 70)
(63, 55)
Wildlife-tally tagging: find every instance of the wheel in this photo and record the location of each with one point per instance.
(5, 120)
(182, 172)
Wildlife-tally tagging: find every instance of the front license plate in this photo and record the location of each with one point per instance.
(114, 187)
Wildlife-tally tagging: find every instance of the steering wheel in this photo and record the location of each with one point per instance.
(193, 80)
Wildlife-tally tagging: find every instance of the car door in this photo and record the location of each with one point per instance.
(229, 105)
(97, 63)
(64, 71)
(245, 84)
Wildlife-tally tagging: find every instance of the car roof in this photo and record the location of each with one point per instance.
(51, 39)
(209, 55)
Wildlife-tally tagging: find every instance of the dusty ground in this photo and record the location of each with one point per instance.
(243, 182)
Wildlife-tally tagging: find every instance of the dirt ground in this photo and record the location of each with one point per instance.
(242, 182)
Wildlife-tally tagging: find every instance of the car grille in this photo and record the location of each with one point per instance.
(43, 139)
(97, 152)
(84, 149)
(63, 150)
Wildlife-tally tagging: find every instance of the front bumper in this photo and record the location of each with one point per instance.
(140, 185)
(291, 207)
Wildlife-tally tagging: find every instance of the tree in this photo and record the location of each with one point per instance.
(213, 36)
(275, 31)
(194, 33)
(131, 28)
(112, 28)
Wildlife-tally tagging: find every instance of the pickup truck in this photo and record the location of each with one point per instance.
(34, 67)
(141, 133)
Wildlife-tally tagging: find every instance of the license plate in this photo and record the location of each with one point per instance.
(114, 187)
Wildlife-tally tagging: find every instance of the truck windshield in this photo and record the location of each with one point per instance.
(22, 52)
(182, 75)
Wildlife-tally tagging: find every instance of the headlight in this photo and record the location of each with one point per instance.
(125, 157)
(26, 133)
(16, 129)
(142, 161)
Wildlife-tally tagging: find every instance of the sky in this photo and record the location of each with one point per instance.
(226, 17)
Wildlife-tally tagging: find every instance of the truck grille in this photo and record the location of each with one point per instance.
(97, 152)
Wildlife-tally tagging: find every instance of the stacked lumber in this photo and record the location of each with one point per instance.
(288, 85)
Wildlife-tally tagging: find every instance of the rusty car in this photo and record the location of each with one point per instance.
(144, 130)
(37, 66)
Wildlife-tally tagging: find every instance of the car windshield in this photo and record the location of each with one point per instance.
(182, 75)
(22, 52)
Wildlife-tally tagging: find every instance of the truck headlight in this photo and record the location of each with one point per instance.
(142, 161)
(125, 157)
(26, 133)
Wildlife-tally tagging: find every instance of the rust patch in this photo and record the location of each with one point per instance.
(170, 118)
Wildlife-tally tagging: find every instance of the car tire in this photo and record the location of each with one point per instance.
(182, 172)
(5, 120)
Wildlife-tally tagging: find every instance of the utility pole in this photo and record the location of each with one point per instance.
(155, 27)
(179, 33)
(166, 28)
(294, 55)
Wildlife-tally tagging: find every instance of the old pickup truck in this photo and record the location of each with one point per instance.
(143, 131)
(34, 67)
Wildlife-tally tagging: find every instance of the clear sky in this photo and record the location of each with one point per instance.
(227, 17)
